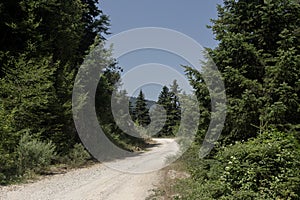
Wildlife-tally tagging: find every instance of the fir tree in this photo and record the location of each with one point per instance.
(141, 110)
(170, 102)
(258, 57)
(176, 109)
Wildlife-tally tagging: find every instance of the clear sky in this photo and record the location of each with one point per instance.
(189, 17)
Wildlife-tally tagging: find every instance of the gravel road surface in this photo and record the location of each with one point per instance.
(101, 181)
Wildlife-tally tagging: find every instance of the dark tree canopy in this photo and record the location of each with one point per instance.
(42, 45)
(258, 57)
(141, 110)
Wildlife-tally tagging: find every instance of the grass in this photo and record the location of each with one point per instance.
(170, 177)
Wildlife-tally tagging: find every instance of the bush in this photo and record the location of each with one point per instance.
(34, 155)
(7, 167)
(266, 167)
(77, 156)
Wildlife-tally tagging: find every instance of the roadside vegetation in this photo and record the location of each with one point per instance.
(165, 115)
(42, 46)
(257, 155)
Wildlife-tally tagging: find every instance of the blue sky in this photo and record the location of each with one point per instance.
(189, 17)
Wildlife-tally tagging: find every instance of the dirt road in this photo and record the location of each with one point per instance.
(101, 181)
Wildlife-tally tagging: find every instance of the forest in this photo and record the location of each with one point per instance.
(43, 44)
(257, 155)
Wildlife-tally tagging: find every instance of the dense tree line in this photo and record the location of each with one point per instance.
(169, 100)
(258, 152)
(42, 46)
(43, 43)
(164, 117)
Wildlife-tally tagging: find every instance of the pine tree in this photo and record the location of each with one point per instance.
(258, 41)
(27, 94)
(132, 111)
(170, 102)
(141, 110)
(164, 99)
(42, 44)
(62, 30)
(176, 110)
(258, 57)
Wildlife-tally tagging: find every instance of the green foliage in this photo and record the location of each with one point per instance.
(8, 167)
(108, 85)
(258, 58)
(30, 100)
(42, 44)
(141, 110)
(77, 156)
(165, 100)
(65, 28)
(169, 100)
(262, 168)
(122, 119)
(175, 113)
(266, 165)
(33, 154)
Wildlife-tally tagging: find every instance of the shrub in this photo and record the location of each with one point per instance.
(7, 167)
(34, 155)
(77, 156)
(266, 167)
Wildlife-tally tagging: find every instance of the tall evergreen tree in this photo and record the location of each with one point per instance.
(165, 100)
(258, 41)
(258, 57)
(41, 47)
(141, 110)
(176, 109)
(62, 30)
(132, 111)
(168, 99)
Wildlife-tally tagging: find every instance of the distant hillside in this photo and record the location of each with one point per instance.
(149, 102)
